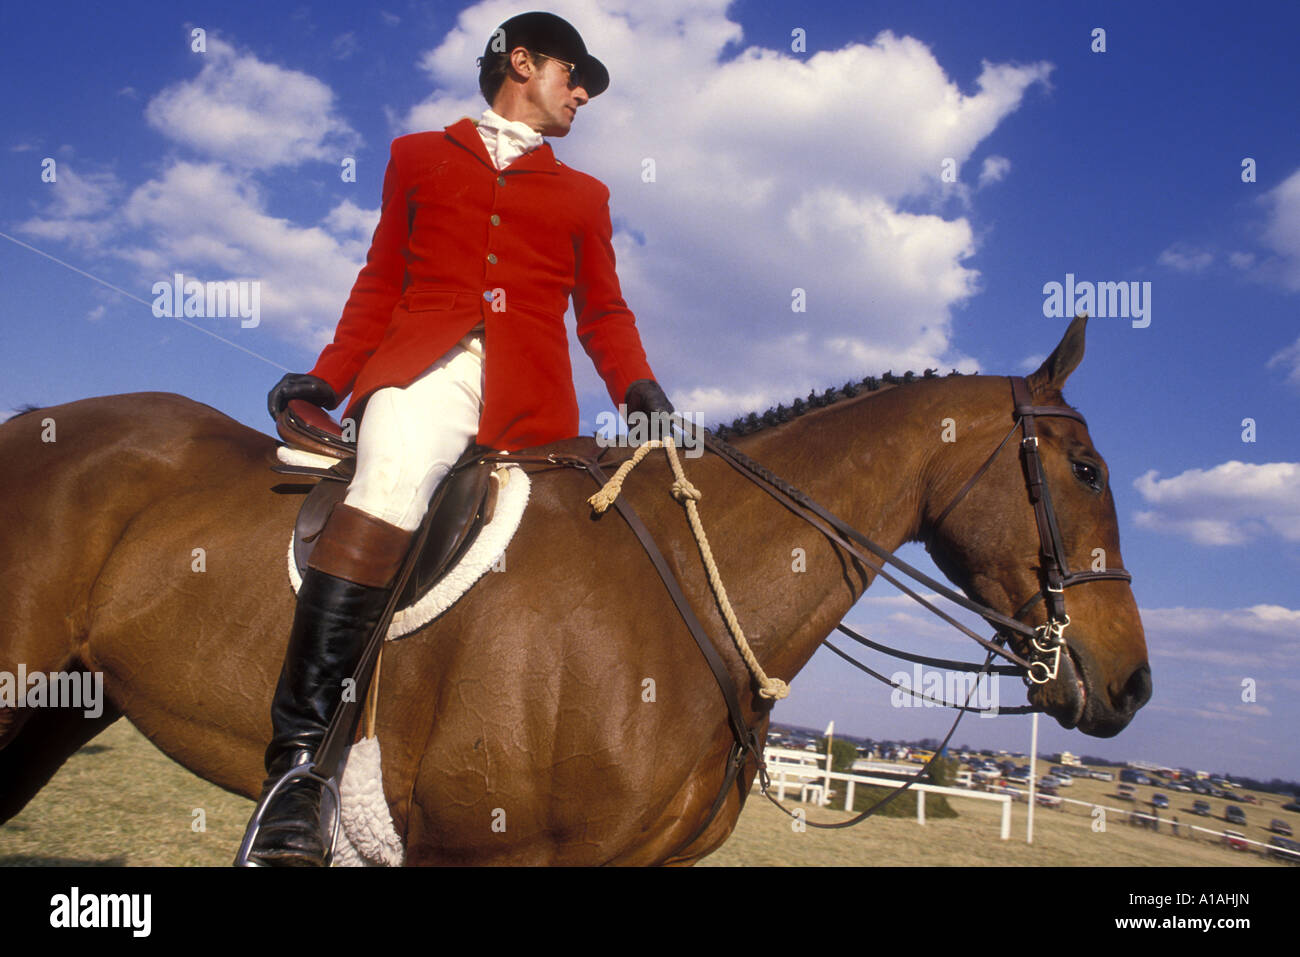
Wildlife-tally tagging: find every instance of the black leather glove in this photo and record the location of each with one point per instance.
(296, 386)
(646, 396)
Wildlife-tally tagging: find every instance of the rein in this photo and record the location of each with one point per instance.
(1046, 640)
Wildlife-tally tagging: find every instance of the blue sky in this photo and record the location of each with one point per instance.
(776, 168)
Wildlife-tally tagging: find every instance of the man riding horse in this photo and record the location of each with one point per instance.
(454, 333)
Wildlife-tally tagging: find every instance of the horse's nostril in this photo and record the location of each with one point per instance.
(1137, 691)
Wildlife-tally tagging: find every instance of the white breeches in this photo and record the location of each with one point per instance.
(411, 437)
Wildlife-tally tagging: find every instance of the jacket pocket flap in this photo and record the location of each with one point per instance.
(425, 301)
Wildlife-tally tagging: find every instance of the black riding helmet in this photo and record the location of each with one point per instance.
(547, 34)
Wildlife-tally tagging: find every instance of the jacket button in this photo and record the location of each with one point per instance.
(492, 258)
(501, 181)
(496, 220)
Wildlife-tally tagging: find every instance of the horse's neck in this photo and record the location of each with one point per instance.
(865, 460)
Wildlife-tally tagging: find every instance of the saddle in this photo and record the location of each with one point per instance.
(461, 505)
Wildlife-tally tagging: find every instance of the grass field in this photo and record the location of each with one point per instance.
(121, 802)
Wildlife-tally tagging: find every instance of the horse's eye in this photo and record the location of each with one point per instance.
(1089, 475)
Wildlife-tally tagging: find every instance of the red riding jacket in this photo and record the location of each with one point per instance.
(459, 243)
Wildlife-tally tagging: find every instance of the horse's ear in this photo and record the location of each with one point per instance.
(1064, 359)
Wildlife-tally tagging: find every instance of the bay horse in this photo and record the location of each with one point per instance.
(518, 728)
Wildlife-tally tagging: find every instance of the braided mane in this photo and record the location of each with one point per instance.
(755, 422)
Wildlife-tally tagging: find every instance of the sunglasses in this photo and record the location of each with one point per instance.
(575, 78)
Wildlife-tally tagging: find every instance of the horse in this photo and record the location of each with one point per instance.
(559, 713)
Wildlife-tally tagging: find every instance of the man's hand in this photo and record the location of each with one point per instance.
(295, 386)
(645, 396)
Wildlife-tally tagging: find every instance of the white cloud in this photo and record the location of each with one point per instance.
(344, 45)
(77, 207)
(207, 222)
(251, 114)
(1288, 358)
(1229, 504)
(1185, 258)
(349, 219)
(995, 169)
(209, 219)
(1282, 233)
(711, 404)
(1259, 639)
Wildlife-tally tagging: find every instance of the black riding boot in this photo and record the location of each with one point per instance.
(334, 618)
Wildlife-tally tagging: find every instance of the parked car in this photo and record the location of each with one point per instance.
(1201, 807)
(1250, 799)
(1279, 826)
(1284, 848)
(1293, 806)
(1159, 800)
(1125, 792)
(1235, 840)
(1182, 787)
(1234, 815)
(1048, 800)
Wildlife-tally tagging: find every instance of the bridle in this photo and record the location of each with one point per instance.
(1046, 641)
